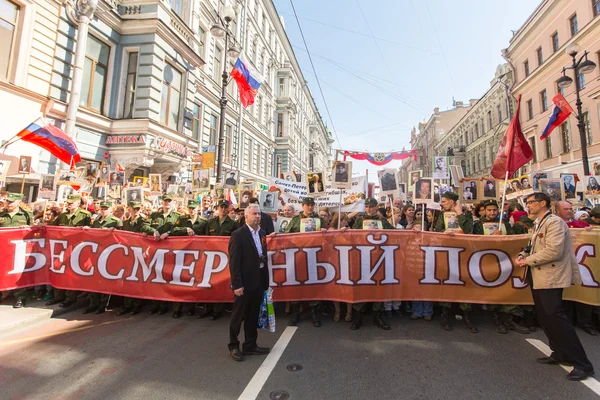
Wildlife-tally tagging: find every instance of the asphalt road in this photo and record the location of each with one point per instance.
(155, 357)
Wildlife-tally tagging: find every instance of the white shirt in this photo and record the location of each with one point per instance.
(256, 238)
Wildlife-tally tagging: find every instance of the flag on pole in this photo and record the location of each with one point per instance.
(52, 139)
(562, 110)
(514, 151)
(247, 82)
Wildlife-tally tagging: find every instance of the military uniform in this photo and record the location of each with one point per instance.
(377, 306)
(11, 220)
(294, 227)
(198, 225)
(504, 321)
(163, 224)
(141, 224)
(465, 222)
(79, 218)
(99, 301)
(215, 227)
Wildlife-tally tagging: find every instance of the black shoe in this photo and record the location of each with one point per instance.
(153, 311)
(257, 351)
(388, 314)
(236, 354)
(177, 314)
(190, 312)
(356, 321)
(468, 324)
(100, 310)
(579, 375)
(136, 311)
(163, 310)
(295, 318)
(215, 316)
(589, 330)
(500, 327)
(380, 322)
(315, 317)
(552, 361)
(88, 310)
(66, 303)
(54, 301)
(445, 323)
(123, 311)
(19, 304)
(514, 326)
(203, 314)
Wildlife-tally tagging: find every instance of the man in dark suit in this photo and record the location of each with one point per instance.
(551, 266)
(249, 279)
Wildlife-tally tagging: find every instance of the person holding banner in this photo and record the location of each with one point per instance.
(99, 301)
(550, 267)
(364, 222)
(74, 216)
(138, 223)
(451, 207)
(14, 216)
(502, 314)
(308, 213)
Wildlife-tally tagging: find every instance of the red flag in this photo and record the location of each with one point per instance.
(514, 151)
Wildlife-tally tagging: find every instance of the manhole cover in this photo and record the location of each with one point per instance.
(279, 395)
(294, 367)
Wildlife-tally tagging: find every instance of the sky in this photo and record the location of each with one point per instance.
(384, 65)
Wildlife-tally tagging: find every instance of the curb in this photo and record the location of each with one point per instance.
(15, 318)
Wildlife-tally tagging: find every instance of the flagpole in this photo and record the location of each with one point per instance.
(503, 200)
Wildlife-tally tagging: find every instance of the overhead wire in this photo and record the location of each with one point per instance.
(316, 76)
(440, 45)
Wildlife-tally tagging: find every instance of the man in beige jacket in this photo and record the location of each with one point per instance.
(552, 266)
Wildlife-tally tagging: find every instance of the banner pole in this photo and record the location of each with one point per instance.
(340, 211)
(503, 200)
(392, 208)
(22, 184)
(423, 217)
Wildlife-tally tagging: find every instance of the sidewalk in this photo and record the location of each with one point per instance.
(33, 312)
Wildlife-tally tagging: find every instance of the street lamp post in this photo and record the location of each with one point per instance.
(584, 66)
(220, 30)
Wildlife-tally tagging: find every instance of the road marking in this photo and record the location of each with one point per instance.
(590, 382)
(264, 371)
(47, 335)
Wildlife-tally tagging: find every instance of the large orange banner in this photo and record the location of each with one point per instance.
(351, 266)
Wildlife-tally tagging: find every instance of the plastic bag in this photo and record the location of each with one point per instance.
(266, 316)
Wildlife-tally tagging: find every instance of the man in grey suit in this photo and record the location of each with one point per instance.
(551, 267)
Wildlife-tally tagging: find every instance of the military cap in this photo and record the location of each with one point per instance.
(106, 204)
(193, 203)
(135, 204)
(370, 201)
(14, 197)
(223, 203)
(167, 196)
(73, 198)
(490, 202)
(595, 212)
(450, 196)
(308, 200)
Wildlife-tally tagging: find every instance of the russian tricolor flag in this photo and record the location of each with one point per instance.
(247, 82)
(561, 112)
(52, 139)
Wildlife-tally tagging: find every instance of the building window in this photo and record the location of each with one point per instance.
(532, 144)
(212, 136)
(196, 125)
(279, 124)
(281, 86)
(588, 130)
(573, 25)
(596, 7)
(258, 159)
(490, 124)
(530, 109)
(9, 14)
(548, 141)
(499, 113)
(202, 38)
(177, 6)
(259, 108)
(526, 67)
(476, 130)
(170, 97)
(227, 143)
(580, 80)
(544, 100)
(130, 85)
(565, 137)
(555, 44)
(95, 68)
(217, 63)
(540, 56)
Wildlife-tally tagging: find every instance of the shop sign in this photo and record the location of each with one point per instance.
(125, 139)
(170, 147)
